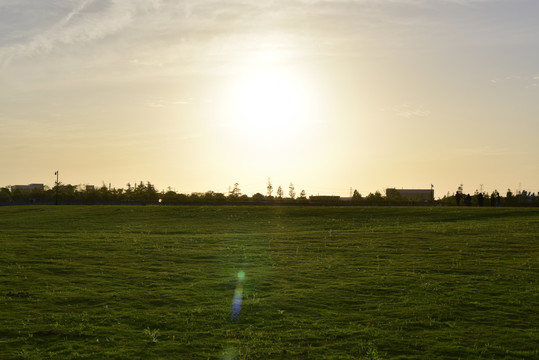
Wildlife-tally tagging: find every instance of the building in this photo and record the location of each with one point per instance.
(417, 195)
(28, 187)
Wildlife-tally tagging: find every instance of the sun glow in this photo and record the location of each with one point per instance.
(269, 103)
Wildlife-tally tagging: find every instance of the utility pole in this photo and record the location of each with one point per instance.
(57, 185)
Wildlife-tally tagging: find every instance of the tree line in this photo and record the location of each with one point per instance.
(146, 193)
(138, 193)
(494, 199)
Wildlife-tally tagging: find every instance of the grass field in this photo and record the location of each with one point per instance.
(269, 283)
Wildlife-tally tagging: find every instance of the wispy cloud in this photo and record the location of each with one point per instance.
(487, 150)
(411, 111)
(182, 102)
(138, 62)
(164, 103)
(524, 80)
(86, 21)
(156, 104)
(177, 30)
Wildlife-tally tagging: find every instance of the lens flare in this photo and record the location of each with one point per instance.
(236, 304)
(230, 354)
(238, 297)
(241, 275)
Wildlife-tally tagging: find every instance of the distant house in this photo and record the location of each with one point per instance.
(28, 187)
(418, 195)
(90, 187)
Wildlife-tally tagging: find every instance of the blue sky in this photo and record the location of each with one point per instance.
(328, 95)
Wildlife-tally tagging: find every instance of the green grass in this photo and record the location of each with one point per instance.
(320, 283)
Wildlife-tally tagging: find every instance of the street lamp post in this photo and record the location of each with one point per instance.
(57, 183)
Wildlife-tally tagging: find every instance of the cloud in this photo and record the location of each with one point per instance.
(412, 111)
(157, 33)
(138, 62)
(157, 104)
(84, 22)
(164, 103)
(487, 150)
(524, 80)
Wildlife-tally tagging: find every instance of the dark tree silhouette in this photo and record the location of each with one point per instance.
(269, 189)
(356, 196)
(280, 192)
(235, 192)
(291, 192)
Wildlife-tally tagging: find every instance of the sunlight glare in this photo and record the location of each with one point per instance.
(269, 103)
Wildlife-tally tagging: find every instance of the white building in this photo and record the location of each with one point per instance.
(28, 187)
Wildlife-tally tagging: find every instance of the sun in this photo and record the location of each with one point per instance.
(269, 103)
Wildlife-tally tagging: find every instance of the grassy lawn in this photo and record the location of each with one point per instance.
(122, 282)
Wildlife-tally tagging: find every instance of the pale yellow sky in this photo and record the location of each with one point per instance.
(329, 95)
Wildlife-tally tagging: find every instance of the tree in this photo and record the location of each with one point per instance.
(128, 194)
(151, 192)
(375, 198)
(270, 188)
(145, 192)
(196, 196)
(302, 195)
(103, 193)
(509, 197)
(151, 188)
(68, 192)
(208, 196)
(5, 194)
(356, 196)
(257, 197)
(291, 191)
(169, 196)
(280, 192)
(219, 197)
(235, 192)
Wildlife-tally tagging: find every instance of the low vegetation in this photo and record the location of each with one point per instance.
(226, 282)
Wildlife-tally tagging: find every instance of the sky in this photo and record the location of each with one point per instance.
(329, 95)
